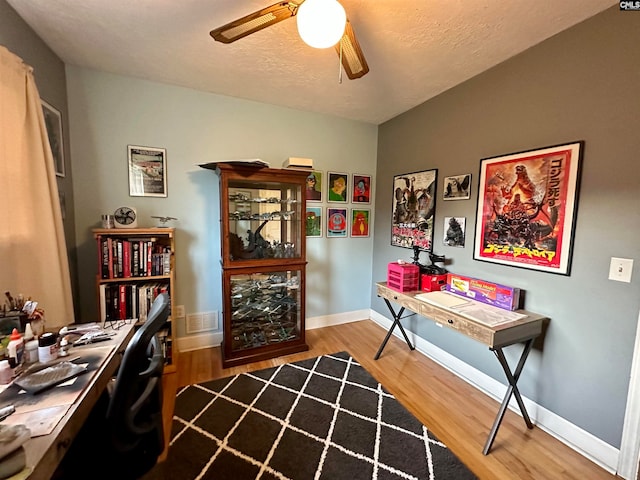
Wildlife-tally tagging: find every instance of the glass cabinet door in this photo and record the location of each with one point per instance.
(265, 308)
(264, 221)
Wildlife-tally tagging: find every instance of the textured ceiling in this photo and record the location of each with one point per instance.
(415, 50)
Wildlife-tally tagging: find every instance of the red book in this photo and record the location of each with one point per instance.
(126, 258)
(149, 252)
(123, 301)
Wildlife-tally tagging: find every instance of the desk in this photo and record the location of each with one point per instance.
(495, 337)
(45, 452)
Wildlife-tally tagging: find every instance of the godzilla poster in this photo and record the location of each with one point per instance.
(414, 200)
(527, 208)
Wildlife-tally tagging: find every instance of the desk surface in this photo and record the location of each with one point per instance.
(502, 334)
(45, 452)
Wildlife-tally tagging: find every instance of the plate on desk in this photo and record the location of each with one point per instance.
(50, 376)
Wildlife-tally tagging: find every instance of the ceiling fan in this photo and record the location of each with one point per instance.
(345, 42)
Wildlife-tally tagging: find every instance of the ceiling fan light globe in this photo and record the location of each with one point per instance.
(321, 23)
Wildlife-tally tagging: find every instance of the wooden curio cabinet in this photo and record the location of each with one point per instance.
(263, 261)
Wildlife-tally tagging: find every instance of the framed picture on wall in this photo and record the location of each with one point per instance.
(313, 222)
(53, 123)
(457, 187)
(314, 186)
(361, 188)
(337, 187)
(147, 171)
(414, 204)
(336, 222)
(360, 221)
(527, 204)
(454, 231)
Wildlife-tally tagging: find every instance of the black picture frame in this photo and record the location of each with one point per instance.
(147, 168)
(53, 124)
(527, 208)
(413, 209)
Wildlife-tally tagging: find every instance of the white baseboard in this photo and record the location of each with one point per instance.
(337, 319)
(578, 439)
(573, 436)
(202, 340)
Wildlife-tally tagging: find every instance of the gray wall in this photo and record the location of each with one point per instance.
(49, 73)
(579, 85)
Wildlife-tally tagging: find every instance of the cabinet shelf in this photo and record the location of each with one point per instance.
(134, 279)
(263, 262)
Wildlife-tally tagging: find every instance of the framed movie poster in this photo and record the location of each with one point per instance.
(360, 221)
(314, 186)
(313, 223)
(337, 187)
(414, 204)
(527, 205)
(147, 171)
(336, 222)
(361, 188)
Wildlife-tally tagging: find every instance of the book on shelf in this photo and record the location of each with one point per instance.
(132, 258)
(128, 301)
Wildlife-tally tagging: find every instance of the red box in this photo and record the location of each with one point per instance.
(501, 296)
(403, 277)
(433, 283)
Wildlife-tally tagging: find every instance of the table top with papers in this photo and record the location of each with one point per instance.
(490, 325)
(472, 309)
(56, 415)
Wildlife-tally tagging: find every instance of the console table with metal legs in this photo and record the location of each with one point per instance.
(496, 337)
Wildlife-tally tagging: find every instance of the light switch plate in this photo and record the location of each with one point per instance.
(620, 269)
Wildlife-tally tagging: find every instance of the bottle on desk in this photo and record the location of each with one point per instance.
(47, 347)
(5, 372)
(15, 348)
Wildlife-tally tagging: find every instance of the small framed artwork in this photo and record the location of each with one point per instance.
(336, 222)
(361, 188)
(313, 223)
(147, 171)
(337, 187)
(314, 186)
(457, 187)
(527, 204)
(360, 222)
(53, 122)
(454, 231)
(414, 205)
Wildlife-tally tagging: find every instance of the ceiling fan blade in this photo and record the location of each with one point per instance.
(254, 22)
(353, 60)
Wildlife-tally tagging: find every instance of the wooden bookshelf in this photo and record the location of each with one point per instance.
(126, 284)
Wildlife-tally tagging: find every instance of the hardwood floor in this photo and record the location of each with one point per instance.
(457, 413)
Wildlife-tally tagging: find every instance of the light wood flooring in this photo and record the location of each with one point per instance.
(457, 413)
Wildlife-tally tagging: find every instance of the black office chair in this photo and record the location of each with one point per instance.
(124, 435)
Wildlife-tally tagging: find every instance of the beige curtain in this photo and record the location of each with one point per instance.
(33, 255)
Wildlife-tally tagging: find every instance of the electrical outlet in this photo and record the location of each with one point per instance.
(179, 311)
(620, 269)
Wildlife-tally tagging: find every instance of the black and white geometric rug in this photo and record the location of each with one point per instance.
(322, 418)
